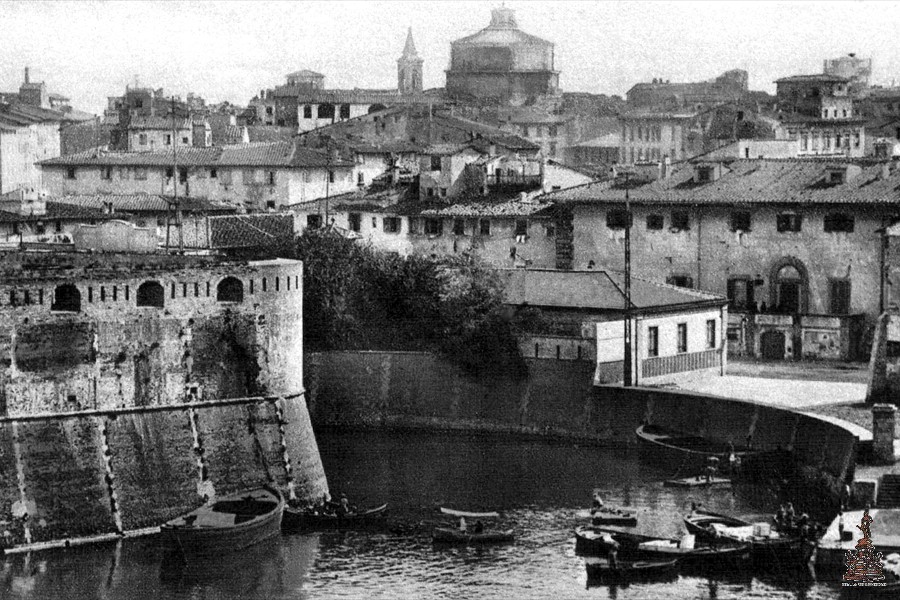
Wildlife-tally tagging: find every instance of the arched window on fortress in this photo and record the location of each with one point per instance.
(151, 293)
(230, 289)
(66, 298)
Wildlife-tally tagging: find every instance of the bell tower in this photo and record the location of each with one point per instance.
(409, 68)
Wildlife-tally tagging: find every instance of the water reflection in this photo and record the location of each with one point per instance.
(540, 488)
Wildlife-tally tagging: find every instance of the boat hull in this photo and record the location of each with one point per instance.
(633, 547)
(302, 520)
(780, 550)
(599, 571)
(447, 535)
(619, 517)
(199, 541)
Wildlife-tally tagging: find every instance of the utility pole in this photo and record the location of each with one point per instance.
(626, 371)
(327, 183)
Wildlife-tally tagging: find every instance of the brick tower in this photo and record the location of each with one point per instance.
(409, 68)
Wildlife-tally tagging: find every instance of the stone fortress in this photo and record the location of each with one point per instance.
(136, 386)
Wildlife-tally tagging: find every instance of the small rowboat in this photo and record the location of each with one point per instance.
(231, 523)
(300, 519)
(596, 541)
(469, 515)
(599, 570)
(449, 535)
(609, 515)
(766, 544)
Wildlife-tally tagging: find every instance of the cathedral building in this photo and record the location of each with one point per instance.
(502, 64)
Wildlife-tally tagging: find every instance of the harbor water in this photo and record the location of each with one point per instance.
(542, 489)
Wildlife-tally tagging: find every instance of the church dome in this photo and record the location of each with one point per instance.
(501, 46)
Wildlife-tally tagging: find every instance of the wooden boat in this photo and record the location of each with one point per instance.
(468, 514)
(766, 544)
(305, 519)
(595, 541)
(698, 481)
(691, 453)
(449, 535)
(599, 570)
(610, 515)
(230, 523)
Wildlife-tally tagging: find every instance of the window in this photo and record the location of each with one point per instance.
(307, 177)
(682, 338)
(270, 204)
(345, 111)
(185, 141)
(392, 224)
(552, 131)
(182, 175)
(213, 174)
(616, 218)
(710, 334)
(142, 139)
(355, 220)
(525, 131)
(652, 341)
(552, 148)
(788, 222)
(521, 228)
(435, 162)
(326, 111)
(269, 110)
(740, 221)
(313, 221)
(248, 176)
(681, 220)
(70, 173)
(840, 296)
(167, 139)
(655, 222)
(374, 223)
(230, 289)
(57, 226)
(429, 192)
(106, 172)
(270, 177)
(307, 112)
(839, 222)
(150, 293)
(330, 176)
(484, 227)
(459, 227)
(685, 281)
(170, 172)
(550, 229)
(433, 227)
(804, 142)
(443, 192)
(740, 293)
(361, 179)
(704, 174)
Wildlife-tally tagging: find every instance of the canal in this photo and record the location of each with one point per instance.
(541, 488)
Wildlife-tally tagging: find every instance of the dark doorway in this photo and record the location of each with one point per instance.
(66, 298)
(772, 345)
(230, 289)
(150, 293)
(789, 296)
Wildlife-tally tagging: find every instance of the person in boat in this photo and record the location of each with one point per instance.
(596, 503)
(612, 555)
(462, 524)
(343, 508)
(479, 527)
(790, 516)
(803, 526)
(779, 517)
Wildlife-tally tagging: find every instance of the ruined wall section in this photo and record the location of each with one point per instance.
(212, 331)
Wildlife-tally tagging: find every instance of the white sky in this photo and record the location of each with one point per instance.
(89, 50)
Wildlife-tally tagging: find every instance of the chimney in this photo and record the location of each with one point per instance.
(492, 149)
(245, 135)
(523, 196)
(885, 170)
(27, 79)
(665, 167)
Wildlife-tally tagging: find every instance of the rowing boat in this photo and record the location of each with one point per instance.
(300, 519)
(468, 514)
(448, 535)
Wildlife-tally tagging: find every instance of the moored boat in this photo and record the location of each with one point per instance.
(609, 515)
(597, 541)
(766, 544)
(449, 535)
(228, 524)
(691, 453)
(600, 570)
(310, 519)
(469, 514)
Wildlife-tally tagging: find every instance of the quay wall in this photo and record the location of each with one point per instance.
(79, 475)
(557, 398)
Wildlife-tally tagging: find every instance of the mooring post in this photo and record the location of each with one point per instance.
(884, 417)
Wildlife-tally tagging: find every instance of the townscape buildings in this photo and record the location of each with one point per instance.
(766, 215)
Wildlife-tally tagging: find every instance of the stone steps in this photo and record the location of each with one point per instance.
(889, 491)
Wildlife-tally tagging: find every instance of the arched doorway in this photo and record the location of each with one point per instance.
(789, 287)
(230, 289)
(66, 298)
(772, 345)
(151, 293)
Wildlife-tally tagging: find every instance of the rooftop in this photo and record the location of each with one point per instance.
(810, 78)
(749, 181)
(262, 154)
(595, 290)
(136, 203)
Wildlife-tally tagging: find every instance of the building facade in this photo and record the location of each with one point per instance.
(254, 177)
(28, 135)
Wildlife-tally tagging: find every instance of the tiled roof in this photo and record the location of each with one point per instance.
(56, 212)
(815, 77)
(223, 134)
(446, 149)
(595, 290)
(487, 132)
(158, 122)
(512, 208)
(263, 154)
(23, 115)
(135, 203)
(355, 96)
(304, 73)
(762, 181)
(251, 231)
(270, 133)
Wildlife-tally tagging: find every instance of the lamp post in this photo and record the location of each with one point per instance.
(627, 366)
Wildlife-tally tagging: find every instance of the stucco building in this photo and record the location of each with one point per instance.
(28, 135)
(788, 241)
(255, 177)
